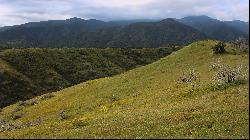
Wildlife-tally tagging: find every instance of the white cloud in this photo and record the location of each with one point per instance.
(20, 11)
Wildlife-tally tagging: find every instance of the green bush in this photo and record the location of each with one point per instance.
(219, 48)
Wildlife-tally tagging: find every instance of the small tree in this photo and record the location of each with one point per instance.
(219, 48)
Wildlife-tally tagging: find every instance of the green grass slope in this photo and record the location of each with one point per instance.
(145, 102)
(26, 73)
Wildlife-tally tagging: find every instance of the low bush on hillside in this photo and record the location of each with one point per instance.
(27, 103)
(189, 76)
(215, 65)
(242, 44)
(21, 103)
(62, 114)
(16, 116)
(47, 96)
(226, 75)
(219, 48)
(17, 112)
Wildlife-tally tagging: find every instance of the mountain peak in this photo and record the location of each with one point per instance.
(200, 18)
(75, 19)
(168, 21)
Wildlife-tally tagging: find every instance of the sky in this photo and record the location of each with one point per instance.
(14, 12)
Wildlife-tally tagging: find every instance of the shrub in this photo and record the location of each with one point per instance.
(215, 65)
(21, 103)
(192, 79)
(219, 48)
(226, 75)
(47, 96)
(27, 103)
(189, 77)
(34, 122)
(242, 44)
(18, 108)
(16, 116)
(2, 122)
(31, 102)
(62, 114)
(16, 112)
(114, 98)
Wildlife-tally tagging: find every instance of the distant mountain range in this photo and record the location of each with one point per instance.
(241, 25)
(77, 32)
(216, 29)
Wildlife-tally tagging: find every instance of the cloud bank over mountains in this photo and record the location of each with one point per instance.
(14, 12)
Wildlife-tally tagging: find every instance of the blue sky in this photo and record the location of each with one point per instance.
(14, 12)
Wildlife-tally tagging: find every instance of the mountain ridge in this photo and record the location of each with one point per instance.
(114, 36)
(213, 28)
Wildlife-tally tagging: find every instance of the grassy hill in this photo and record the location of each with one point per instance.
(26, 73)
(146, 102)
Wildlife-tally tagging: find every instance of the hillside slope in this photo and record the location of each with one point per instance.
(146, 102)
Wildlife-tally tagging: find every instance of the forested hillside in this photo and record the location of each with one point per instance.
(25, 73)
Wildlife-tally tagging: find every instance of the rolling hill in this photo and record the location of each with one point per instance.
(146, 102)
(26, 73)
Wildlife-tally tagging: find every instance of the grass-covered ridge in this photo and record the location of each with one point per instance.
(146, 102)
(26, 73)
